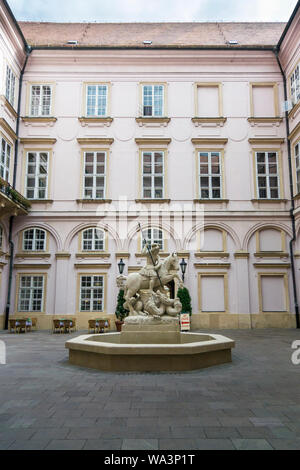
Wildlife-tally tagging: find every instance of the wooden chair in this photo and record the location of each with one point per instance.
(21, 325)
(73, 325)
(57, 327)
(34, 323)
(66, 327)
(13, 326)
(92, 325)
(101, 325)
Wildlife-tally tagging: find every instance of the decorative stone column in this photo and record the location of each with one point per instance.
(243, 300)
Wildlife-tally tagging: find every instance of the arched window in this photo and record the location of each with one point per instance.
(34, 239)
(153, 235)
(93, 240)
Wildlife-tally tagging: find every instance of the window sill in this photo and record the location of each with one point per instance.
(153, 201)
(41, 201)
(32, 266)
(269, 201)
(212, 265)
(149, 121)
(95, 266)
(94, 254)
(94, 201)
(272, 265)
(162, 254)
(44, 120)
(271, 254)
(297, 197)
(209, 121)
(294, 109)
(211, 254)
(94, 121)
(32, 255)
(211, 201)
(265, 120)
(9, 106)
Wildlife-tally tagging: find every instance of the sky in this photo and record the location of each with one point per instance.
(154, 10)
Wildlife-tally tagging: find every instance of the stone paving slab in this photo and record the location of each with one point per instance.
(251, 403)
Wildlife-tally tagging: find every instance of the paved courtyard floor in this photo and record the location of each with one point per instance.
(253, 403)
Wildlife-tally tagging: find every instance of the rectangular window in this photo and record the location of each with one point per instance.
(297, 162)
(210, 177)
(267, 175)
(153, 100)
(153, 175)
(92, 240)
(295, 85)
(96, 100)
(208, 101)
(94, 175)
(91, 293)
(31, 294)
(273, 292)
(10, 86)
(153, 235)
(5, 160)
(263, 101)
(40, 102)
(34, 239)
(37, 175)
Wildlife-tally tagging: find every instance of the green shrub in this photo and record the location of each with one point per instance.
(185, 299)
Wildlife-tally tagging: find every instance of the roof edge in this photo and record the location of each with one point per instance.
(288, 25)
(6, 5)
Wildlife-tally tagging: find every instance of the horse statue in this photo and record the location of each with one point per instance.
(137, 281)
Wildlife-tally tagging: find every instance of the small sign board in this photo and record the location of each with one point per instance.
(185, 323)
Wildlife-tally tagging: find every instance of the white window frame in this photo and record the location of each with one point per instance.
(96, 108)
(153, 102)
(153, 175)
(267, 175)
(297, 165)
(92, 288)
(37, 175)
(5, 160)
(295, 85)
(93, 240)
(210, 175)
(10, 85)
(35, 240)
(32, 290)
(94, 175)
(156, 236)
(39, 109)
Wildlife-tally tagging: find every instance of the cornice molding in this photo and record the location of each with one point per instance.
(38, 140)
(4, 124)
(294, 131)
(266, 141)
(95, 141)
(152, 141)
(209, 141)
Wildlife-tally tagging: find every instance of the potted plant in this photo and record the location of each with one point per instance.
(185, 299)
(120, 312)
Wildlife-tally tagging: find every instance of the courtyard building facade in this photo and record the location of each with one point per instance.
(191, 130)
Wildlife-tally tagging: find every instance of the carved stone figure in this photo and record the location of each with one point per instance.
(146, 291)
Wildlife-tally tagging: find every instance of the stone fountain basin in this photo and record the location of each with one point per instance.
(186, 351)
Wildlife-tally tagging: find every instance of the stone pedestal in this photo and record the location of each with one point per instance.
(149, 330)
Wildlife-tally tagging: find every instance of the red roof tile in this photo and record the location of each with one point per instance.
(161, 34)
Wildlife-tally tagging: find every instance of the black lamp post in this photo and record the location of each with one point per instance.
(121, 266)
(183, 266)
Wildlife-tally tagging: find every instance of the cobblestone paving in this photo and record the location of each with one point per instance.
(252, 403)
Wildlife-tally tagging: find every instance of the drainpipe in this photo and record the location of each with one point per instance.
(11, 220)
(293, 239)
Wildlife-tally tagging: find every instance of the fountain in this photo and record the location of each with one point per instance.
(150, 339)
